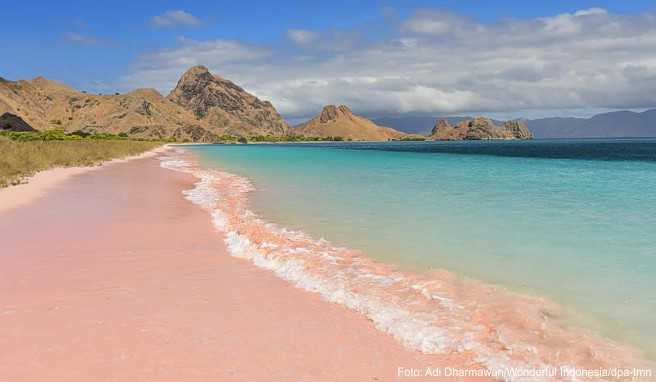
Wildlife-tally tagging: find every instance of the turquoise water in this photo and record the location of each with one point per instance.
(571, 220)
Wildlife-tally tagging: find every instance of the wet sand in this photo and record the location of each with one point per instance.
(111, 275)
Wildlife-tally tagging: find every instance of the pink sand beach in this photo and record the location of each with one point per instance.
(112, 275)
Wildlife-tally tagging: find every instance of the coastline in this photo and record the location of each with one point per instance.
(38, 184)
(525, 331)
(130, 281)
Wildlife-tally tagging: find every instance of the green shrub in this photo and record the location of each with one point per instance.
(61, 135)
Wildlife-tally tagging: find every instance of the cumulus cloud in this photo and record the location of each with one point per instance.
(162, 69)
(301, 36)
(568, 24)
(175, 18)
(440, 62)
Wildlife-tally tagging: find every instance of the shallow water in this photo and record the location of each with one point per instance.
(571, 220)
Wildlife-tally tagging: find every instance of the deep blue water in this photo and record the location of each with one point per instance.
(582, 149)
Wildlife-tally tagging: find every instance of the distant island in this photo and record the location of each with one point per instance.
(616, 124)
(479, 128)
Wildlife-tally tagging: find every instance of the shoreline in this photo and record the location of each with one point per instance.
(122, 255)
(38, 184)
(580, 346)
(130, 281)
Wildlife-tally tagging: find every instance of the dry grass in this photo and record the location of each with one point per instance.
(19, 160)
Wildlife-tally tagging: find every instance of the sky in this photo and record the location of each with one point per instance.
(499, 58)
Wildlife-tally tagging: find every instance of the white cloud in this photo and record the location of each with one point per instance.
(428, 26)
(301, 36)
(591, 12)
(568, 23)
(174, 18)
(81, 39)
(440, 63)
(437, 23)
(162, 69)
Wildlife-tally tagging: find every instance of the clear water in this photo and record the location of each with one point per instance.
(571, 220)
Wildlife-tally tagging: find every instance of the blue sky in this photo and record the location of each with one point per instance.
(315, 49)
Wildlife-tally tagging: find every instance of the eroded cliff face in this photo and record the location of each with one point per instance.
(225, 107)
(480, 128)
(518, 129)
(339, 121)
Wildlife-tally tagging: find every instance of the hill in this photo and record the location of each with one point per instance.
(201, 108)
(615, 124)
(225, 107)
(339, 121)
(480, 128)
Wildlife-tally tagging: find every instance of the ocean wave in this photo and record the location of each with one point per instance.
(434, 313)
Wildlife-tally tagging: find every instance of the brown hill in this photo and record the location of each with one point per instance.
(480, 128)
(341, 122)
(45, 104)
(196, 110)
(225, 106)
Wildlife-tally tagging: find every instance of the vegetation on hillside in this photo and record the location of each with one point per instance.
(414, 137)
(293, 138)
(61, 135)
(24, 154)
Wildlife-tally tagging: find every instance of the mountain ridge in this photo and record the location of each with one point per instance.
(614, 124)
(43, 104)
(207, 106)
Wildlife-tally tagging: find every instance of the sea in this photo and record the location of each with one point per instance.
(479, 246)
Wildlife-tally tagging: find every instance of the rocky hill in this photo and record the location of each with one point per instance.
(201, 108)
(480, 128)
(225, 106)
(339, 121)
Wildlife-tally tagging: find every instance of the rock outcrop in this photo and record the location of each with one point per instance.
(200, 109)
(12, 122)
(339, 121)
(480, 128)
(226, 107)
(518, 129)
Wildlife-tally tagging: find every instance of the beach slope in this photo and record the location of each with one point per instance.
(111, 275)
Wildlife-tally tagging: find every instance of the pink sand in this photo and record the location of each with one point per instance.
(41, 182)
(111, 275)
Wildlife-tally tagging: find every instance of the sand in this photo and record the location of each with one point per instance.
(41, 182)
(111, 275)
